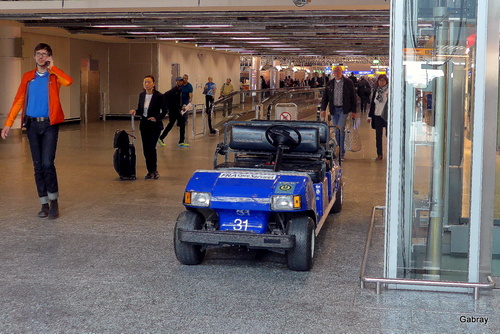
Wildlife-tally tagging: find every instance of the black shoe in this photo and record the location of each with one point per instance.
(44, 212)
(149, 176)
(156, 175)
(213, 132)
(53, 209)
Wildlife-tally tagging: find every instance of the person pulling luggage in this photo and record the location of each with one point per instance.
(152, 109)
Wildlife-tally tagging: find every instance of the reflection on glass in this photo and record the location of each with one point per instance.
(438, 62)
(496, 248)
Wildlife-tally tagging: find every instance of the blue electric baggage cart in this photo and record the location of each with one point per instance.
(274, 189)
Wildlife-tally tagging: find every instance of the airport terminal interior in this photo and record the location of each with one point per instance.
(108, 265)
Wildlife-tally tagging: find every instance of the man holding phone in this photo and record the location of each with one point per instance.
(38, 97)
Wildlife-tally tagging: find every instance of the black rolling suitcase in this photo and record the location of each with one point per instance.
(124, 158)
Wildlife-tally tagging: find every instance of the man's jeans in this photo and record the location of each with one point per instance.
(339, 119)
(228, 107)
(43, 143)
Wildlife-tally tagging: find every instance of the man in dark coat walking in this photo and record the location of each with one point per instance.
(173, 99)
(340, 96)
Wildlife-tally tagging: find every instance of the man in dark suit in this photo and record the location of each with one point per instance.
(340, 96)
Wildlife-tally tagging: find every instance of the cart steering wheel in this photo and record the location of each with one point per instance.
(279, 136)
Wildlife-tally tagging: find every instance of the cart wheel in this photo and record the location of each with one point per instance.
(339, 198)
(300, 258)
(187, 253)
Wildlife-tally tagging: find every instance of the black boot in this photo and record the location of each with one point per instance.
(212, 131)
(54, 209)
(44, 212)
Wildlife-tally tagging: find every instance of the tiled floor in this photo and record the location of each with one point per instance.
(107, 265)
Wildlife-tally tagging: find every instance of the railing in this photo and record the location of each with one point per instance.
(247, 102)
(380, 281)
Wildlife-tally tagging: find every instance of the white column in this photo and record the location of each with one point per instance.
(255, 74)
(10, 63)
(274, 80)
(395, 150)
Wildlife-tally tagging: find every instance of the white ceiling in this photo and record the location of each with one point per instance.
(311, 32)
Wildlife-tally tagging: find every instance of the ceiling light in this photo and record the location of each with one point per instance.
(234, 49)
(249, 38)
(115, 26)
(149, 32)
(262, 42)
(214, 46)
(232, 32)
(175, 38)
(207, 25)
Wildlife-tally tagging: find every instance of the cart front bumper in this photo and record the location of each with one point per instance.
(251, 240)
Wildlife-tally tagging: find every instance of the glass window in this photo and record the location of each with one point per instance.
(439, 57)
(496, 248)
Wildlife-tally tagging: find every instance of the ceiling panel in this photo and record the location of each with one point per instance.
(305, 34)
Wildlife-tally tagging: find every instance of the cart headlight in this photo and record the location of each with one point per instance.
(197, 198)
(286, 202)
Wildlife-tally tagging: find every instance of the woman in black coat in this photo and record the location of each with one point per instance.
(378, 111)
(152, 109)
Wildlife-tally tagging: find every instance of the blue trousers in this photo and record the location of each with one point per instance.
(339, 119)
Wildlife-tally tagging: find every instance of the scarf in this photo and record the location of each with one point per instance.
(380, 93)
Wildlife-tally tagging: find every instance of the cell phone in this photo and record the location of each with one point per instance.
(47, 63)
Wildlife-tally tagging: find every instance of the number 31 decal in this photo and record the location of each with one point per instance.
(240, 225)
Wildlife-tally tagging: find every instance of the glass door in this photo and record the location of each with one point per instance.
(439, 73)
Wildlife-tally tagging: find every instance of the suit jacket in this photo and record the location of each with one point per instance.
(157, 108)
(348, 96)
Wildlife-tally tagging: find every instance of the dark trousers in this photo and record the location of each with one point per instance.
(150, 132)
(364, 104)
(173, 117)
(209, 101)
(379, 124)
(43, 138)
(228, 106)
